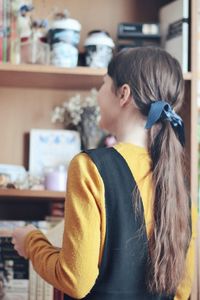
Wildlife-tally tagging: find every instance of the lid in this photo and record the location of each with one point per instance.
(99, 38)
(66, 24)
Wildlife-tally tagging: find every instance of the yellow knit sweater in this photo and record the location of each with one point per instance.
(74, 268)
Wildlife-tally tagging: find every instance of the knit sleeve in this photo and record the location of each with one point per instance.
(74, 268)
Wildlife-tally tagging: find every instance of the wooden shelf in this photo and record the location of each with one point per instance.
(36, 195)
(40, 76)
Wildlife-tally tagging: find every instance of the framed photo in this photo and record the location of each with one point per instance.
(51, 148)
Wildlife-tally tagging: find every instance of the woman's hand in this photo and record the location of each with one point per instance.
(18, 238)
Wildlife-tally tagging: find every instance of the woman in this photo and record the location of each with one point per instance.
(128, 230)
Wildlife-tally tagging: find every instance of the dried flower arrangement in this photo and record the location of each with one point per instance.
(81, 113)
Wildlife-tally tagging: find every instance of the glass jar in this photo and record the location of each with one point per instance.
(55, 178)
(99, 49)
(63, 38)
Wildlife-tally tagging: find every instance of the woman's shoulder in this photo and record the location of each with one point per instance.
(80, 160)
(83, 174)
(83, 164)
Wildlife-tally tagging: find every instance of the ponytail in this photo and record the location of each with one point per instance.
(154, 74)
(170, 236)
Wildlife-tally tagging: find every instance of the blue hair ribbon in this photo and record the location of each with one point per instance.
(161, 110)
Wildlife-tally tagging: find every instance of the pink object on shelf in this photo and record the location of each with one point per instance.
(55, 180)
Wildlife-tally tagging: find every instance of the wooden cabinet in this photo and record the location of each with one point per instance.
(29, 92)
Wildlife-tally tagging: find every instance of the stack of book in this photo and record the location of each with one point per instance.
(17, 275)
(130, 35)
(8, 32)
(13, 271)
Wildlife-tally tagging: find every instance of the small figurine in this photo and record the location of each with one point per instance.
(24, 21)
(39, 30)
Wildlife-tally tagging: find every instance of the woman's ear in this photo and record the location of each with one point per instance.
(124, 94)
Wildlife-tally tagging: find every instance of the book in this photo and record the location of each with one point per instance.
(48, 291)
(124, 44)
(14, 38)
(32, 282)
(13, 271)
(138, 30)
(58, 295)
(6, 14)
(174, 29)
(39, 289)
(1, 30)
(19, 279)
(55, 235)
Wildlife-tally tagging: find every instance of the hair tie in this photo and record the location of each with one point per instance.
(161, 110)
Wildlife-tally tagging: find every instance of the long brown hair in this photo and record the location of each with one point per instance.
(153, 75)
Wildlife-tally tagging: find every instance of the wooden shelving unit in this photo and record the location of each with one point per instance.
(40, 76)
(28, 94)
(36, 195)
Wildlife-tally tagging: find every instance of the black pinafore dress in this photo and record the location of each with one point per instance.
(122, 273)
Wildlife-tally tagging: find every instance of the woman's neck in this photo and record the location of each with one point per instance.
(132, 130)
(135, 137)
